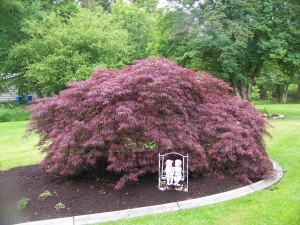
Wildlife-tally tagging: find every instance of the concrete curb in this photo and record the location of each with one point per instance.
(169, 207)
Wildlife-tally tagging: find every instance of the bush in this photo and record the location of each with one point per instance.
(255, 94)
(116, 115)
(265, 112)
(12, 112)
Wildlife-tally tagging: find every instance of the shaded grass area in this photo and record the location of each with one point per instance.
(16, 150)
(279, 204)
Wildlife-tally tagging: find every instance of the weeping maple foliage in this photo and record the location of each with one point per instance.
(126, 117)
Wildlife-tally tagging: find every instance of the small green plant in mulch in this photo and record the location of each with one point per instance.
(22, 204)
(46, 194)
(59, 206)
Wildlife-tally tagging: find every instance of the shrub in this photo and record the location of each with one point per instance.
(255, 94)
(12, 112)
(128, 116)
(265, 112)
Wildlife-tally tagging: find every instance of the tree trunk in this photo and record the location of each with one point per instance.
(285, 94)
(236, 90)
(243, 90)
(38, 94)
(298, 93)
(263, 94)
(251, 80)
(282, 93)
(249, 90)
(278, 93)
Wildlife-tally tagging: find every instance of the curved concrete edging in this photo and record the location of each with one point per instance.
(169, 207)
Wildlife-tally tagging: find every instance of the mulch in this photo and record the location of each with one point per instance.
(89, 193)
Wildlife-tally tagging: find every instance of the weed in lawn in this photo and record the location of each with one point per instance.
(59, 206)
(22, 204)
(46, 194)
(273, 188)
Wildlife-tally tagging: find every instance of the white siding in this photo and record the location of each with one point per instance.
(10, 96)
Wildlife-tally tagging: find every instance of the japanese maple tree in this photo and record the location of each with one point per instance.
(128, 116)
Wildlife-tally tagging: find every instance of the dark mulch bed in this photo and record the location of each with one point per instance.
(89, 194)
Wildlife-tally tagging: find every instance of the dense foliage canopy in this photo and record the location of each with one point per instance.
(243, 42)
(66, 49)
(128, 116)
(62, 42)
(234, 40)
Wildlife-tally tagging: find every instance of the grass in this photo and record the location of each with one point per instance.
(275, 102)
(15, 150)
(279, 204)
(291, 111)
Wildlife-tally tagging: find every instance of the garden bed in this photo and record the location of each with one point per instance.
(88, 194)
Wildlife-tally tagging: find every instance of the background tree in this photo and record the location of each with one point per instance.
(13, 16)
(12, 13)
(149, 5)
(62, 50)
(61, 7)
(298, 86)
(138, 22)
(91, 4)
(283, 62)
(274, 81)
(231, 39)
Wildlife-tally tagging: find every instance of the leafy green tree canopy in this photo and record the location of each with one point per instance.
(138, 22)
(233, 40)
(61, 50)
(12, 13)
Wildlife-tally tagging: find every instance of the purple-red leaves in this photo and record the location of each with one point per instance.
(117, 115)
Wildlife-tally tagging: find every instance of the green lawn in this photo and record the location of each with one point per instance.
(14, 149)
(279, 204)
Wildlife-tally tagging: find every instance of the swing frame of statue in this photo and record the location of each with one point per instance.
(173, 171)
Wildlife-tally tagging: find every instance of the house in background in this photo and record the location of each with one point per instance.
(12, 91)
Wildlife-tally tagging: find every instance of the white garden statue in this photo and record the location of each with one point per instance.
(173, 177)
(169, 172)
(177, 172)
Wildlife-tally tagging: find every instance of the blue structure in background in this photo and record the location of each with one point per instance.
(18, 100)
(28, 98)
